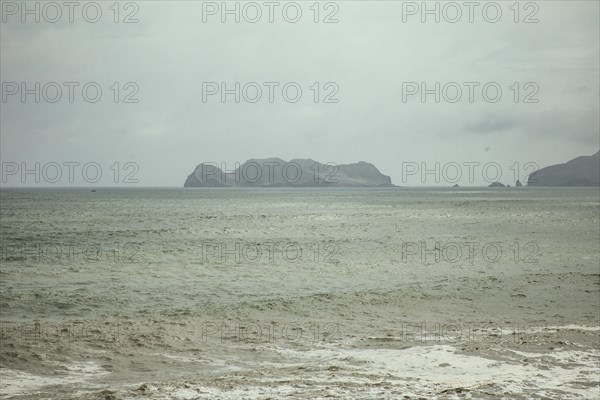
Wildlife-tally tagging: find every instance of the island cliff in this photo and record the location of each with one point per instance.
(275, 172)
(580, 171)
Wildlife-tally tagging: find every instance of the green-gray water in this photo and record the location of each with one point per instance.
(296, 293)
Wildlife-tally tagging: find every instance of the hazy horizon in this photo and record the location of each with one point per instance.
(286, 278)
(364, 57)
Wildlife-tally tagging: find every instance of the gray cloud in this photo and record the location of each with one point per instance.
(368, 54)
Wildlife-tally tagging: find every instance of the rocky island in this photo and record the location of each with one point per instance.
(275, 172)
(580, 171)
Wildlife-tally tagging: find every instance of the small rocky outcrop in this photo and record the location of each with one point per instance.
(496, 184)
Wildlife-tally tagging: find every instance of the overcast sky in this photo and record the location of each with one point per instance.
(368, 57)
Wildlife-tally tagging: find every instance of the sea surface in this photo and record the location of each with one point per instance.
(300, 293)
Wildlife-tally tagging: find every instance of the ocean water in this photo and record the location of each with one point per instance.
(300, 293)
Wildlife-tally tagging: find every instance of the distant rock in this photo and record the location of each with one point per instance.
(580, 171)
(496, 184)
(518, 184)
(456, 185)
(275, 172)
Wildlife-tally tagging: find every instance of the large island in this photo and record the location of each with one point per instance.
(580, 171)
(275, 172)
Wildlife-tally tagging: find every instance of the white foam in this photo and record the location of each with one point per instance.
(573, 328)
(427, 370)
(198, 392)
(421, 371)
(17, 382)
(178, 358)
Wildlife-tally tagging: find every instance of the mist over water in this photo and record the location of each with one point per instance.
(299, 200)
(360, 293)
